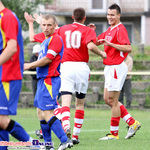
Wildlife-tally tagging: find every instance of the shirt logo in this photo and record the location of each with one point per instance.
(108, 38)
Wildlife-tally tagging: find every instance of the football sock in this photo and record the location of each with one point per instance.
(46, 130)
(17, 131)
(126, 116)
(3, 137)
(78, 121)
(56, 127)
(114, 128)
(57, 112)
(65, 112)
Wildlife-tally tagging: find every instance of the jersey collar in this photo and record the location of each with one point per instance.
(79, 23)
(115, 26)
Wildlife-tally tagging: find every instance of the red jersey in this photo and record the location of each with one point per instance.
(76, 36)
(117, 35)
(10, 28)
(40, 37)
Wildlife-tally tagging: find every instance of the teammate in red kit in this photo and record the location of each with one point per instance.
(117, 46)
(75, 72)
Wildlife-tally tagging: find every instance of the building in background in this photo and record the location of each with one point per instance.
(135, 15)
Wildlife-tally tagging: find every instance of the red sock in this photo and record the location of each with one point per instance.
(57, 112)
(65, 113)
(114, 128)
(126, 116)
(78, 121)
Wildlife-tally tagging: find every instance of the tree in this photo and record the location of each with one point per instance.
(20, 6)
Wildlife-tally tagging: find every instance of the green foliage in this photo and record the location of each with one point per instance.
(141, 57)
(147, 101)
(24, 88)
(21, 6)
(96, 78)
(136, 78)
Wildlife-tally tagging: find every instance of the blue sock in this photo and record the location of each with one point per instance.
(46, 131)
(56, 126)
(3, 137)
(17, 131)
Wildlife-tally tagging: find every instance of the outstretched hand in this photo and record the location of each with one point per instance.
(92, 26)
(28, 18)
(37, 18)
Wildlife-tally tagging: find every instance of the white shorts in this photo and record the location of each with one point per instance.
(74, 77)
(115, 76)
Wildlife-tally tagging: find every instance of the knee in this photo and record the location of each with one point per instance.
(4, 121)
(106, 100)
(109, 101)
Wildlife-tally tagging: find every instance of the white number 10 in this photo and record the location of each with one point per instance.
(73, 40)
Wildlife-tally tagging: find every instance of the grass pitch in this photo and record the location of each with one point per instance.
(96, 125)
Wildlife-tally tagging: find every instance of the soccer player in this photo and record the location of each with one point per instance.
(11, 73)
(48, 65)
(75, 72)
(117, 46)
(40, 38)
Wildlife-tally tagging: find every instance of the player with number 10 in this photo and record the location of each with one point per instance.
(75, 72)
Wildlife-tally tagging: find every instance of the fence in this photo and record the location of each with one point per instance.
(94, 98)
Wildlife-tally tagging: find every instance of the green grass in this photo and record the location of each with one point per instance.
(96, 125)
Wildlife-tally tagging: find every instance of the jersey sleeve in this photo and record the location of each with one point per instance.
(40, 37)
(123, 36)
(10, 26)
(101, 36)
(54, 47)
(91, 36)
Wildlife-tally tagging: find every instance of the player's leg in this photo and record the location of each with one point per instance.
(133, 124)
(43, 99)
(9, 92)
(57, 110)
(114, 78)
(39, 132)
(112, 100)
(13, 128)
(68, 73)
(55, 125)
(47, 103)
(79, 117)
(81, 86)
(65, 112)
(3, 137)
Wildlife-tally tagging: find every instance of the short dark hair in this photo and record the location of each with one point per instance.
(115, 6)
(49, 16)
(79, 14)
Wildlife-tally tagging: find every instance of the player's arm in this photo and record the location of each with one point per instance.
(37, 18)
(123, 48)
(30, 21)
(91, 46)
(39, 63)
(9, 51)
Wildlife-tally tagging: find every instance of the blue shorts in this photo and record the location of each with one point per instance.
(47, 92)
(9, 96)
